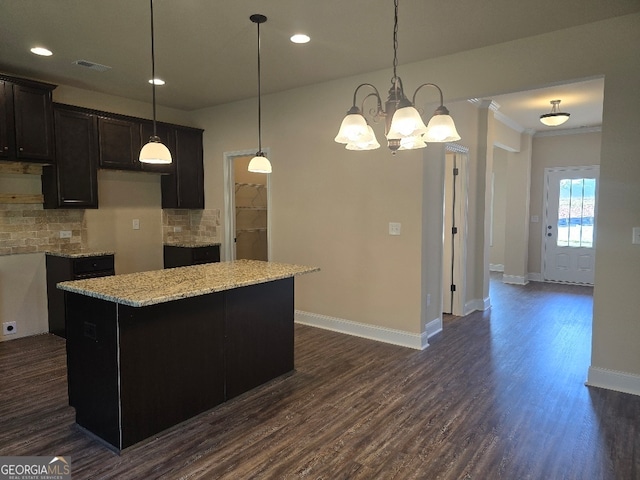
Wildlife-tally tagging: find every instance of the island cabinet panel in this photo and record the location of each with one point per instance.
(172, 364)
(259, 334)
(92, 365)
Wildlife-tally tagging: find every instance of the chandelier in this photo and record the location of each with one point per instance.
(404, 128)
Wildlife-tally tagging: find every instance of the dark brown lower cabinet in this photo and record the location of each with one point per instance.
(62, 269)
(185, 256)
(135, 371)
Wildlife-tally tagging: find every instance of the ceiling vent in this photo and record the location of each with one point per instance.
(92, 65)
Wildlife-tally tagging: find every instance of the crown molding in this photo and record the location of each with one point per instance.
(567, 131)
(484, 103)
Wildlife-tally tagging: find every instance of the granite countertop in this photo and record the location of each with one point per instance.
(80, 254)
(192, 244)
(159, 286)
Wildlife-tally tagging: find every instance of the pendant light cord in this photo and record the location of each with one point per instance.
(153, 73)
(259, 98)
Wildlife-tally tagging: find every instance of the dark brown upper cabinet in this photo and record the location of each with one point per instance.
(26, 121)
(119, 141)
(73, 181)
(185, 188)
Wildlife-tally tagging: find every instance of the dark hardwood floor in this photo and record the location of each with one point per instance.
(497, 395)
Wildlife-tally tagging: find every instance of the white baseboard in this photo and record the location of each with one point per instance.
(613, 380)
(372, 332)
(514, 279)
(477, 304)
(496, 267)
(433, 327)
(535, 277)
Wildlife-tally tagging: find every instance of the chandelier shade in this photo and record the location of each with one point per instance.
(404, 127)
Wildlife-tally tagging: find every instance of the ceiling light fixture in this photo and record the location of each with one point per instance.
(556, 117)
(43, 52)
(155, 151)
(260, 163)
(404, 128)
(300, 38)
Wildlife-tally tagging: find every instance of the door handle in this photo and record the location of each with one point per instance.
(549, 234)
(549, 227)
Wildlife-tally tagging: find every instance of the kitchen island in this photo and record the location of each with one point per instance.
(146, 351)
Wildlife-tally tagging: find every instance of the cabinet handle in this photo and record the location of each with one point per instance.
(6, 148)
(21, 149)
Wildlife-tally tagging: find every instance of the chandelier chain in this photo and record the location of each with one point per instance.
(153, 72)
(395, 40)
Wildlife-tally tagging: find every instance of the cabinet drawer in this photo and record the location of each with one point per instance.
(92, 264)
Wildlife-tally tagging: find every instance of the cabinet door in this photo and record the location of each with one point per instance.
(167, 136)
(7, 138)
(33, 111)
(185, 189)
(119, 143)
(76, 169)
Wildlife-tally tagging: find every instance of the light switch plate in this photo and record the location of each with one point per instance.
(136, 224)
(636, 235)
(394, 228)
(65, 233)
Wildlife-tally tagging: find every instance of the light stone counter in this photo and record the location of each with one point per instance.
(159, 286)
(80, 254)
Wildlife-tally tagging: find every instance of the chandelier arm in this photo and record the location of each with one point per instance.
(413, 100)
(376, 94)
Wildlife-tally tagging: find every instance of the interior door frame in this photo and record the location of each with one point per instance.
(459, 277)
(545, 210)
(228, 250)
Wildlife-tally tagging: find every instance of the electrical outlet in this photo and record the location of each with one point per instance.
(136, 224)
(9, 328)
(394, 228)
(177, 229)
(428, 299)
(635, 235)
(65, 233)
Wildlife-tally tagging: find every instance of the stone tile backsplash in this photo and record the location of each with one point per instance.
(29, 228)
(192, 226)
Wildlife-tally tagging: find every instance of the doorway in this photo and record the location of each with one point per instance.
(568, 242)
(246, 209)
(454, 251)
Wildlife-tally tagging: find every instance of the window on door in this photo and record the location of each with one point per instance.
(576, 210)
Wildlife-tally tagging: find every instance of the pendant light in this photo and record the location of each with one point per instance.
(404, 127)
(155, 151)
(260, 163)
(556, 117)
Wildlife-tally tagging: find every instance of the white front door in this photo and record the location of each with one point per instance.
(569, 228)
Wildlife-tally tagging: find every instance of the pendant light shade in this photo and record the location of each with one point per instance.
(260, 163)
(154, 152)
(404, 127)
(556, 117)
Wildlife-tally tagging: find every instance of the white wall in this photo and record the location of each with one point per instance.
(331, 207)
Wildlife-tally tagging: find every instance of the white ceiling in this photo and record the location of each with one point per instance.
(206, 49)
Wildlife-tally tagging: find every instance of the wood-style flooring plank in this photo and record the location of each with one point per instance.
(499, 394)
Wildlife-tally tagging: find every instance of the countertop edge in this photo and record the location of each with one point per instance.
(71, 286)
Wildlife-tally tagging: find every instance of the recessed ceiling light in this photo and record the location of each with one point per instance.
(300, 38)
(156, 81)
(42, 51)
